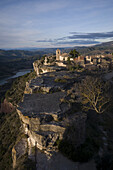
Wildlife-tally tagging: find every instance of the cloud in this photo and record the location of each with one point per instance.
(79, 39)
(45, 40)
(83, 38)
(58, 39)
(91, 35)
(77, 42)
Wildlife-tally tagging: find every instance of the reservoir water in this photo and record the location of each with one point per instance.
(18, 74)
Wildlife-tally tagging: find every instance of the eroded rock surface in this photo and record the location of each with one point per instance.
(40, 114)
(19, 150)
(51, 82)
(45, 110)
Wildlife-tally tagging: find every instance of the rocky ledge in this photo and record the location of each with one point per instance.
(45, 112)
(51, 82)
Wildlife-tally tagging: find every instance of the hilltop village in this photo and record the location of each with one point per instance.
(95, 62)
(90, 62)
(52, 121)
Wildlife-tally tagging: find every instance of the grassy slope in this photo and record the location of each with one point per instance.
(9, 130)
(10, 124)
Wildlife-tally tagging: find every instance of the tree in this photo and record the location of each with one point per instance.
(95, 94)
(74, 53)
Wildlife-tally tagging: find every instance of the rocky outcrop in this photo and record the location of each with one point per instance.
(50, 82)
(19, 150)
(40, 114)
(36, 68)
(45, 111)
(6, 107)
(40, 68)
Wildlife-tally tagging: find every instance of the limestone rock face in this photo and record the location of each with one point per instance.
(40, 114)
(50, 82)
(46, 104)
(18, 150)
(36, 68)
(40, 68)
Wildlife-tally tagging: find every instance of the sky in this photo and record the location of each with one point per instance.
(55, 23)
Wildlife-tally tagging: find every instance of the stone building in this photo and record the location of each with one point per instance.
(79, 60)
(64, 57)
(61, 57)
(88, 58)
(58, 53)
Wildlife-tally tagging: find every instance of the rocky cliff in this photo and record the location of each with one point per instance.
(46, 112)
(6, 107)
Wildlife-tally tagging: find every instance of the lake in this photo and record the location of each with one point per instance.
(18, 74)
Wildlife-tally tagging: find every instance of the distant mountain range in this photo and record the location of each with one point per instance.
(104, 48)
(17, 54)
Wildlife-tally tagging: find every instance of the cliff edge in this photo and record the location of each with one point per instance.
(46, 112)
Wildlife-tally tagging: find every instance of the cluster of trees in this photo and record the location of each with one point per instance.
(74, 53)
